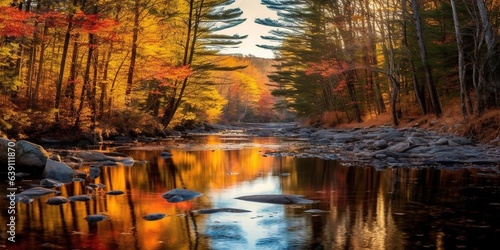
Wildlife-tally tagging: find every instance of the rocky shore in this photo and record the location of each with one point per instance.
(383, 147)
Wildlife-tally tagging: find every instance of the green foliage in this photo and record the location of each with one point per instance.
(9, 82)
(129, 121)
(14, 123)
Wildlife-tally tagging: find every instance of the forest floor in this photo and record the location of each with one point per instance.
(484, 129)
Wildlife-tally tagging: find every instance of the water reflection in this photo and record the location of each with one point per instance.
(403, 208)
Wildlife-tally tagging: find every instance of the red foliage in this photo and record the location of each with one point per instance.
(328, 68)
(15, 23)
(93, 24)
(53, 19)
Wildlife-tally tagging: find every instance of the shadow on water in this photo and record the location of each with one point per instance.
(357, 207)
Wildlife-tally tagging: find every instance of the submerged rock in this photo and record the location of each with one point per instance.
(95, 218)
(221, 210)
(178, 195)
(115, 192)
(154, 216)
(284, 199)
(94, 172)
(79, 198)
(50, 183)
(37, 191)
(57, 200)
(316, 211)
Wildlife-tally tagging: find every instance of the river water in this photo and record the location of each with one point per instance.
(396, 208)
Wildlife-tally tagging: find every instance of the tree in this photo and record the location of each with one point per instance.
(436, 105)
(203, 19)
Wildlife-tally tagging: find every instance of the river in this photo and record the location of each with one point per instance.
(361, 207)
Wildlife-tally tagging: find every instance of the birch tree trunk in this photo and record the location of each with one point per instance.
(461, 60)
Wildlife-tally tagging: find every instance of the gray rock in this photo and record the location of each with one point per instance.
(115, 192)
(79, 174)
(79, 198)
(58, 171)
(37, 191)
(380, 144)
(31, 155)
(91, 156)
(50, 183)
(57, 200)
(441, 141)
(459, 142)
(4, 145)
(283, 199)
(178, 195)
(390, 135)
(94, 172)
(93, 218)
(416, 140)
(316, 211)
(154, 216)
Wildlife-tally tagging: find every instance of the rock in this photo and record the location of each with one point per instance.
(24, 199)
(93, 218)
(31, 156)
(178, 195)
(380, 144)
(55, 157)
(221, 210)
(50, 183)
(57, 200)
(316, 211)
(79, 198)
(92, 156)
(390, 135)
(283, 199)
(79, 174)
(459, 142)
(58, 171)
(94, 172)
(416, 140)
(37, 191)
(115, 192)
(77, 179)
(166, 154)
(154, 216)
(4, 145)
(441, 142)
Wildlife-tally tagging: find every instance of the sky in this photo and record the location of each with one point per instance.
(251, 9)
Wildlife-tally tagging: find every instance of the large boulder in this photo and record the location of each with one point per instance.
(4, 147)
(30, 157)
(58, 171)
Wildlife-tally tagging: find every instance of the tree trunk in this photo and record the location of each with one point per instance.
(40, 76)
(427, 68)
(492, 57)
(86, 81)
(133, 55)
(417, 87)
(461, 60)
(67, 37)
(189, 50)
(70, 88)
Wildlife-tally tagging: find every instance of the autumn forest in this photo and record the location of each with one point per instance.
(146, 66)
